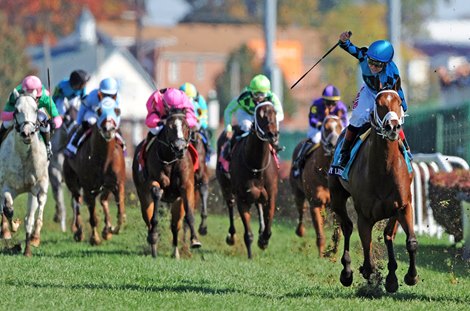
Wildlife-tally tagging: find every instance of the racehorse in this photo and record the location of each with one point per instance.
(312, 184)
(165, 172)
(253, 176)
(380, 185)
(98, 168)
(23, 168)
(59, 142)
(201, 179)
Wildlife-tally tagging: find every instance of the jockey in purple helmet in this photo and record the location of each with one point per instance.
(328, 104)
(378, 72)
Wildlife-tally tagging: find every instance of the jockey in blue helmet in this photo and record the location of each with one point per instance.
(378, 72)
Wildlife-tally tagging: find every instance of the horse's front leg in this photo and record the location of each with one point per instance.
(204, 191)
(316, 208)
(406, 221)
(90, 200)
(268, 215)
(29, 222)
(41, 201)
(152, 238)
(107, 232)
(301, 208)
(6, 211)
(365, 233)
(58, 194)
(244, 210)
(188, 204)
(230, 239)
(121, 207)
(391, 282)
(77, 227)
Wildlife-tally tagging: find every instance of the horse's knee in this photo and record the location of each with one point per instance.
(412, 245)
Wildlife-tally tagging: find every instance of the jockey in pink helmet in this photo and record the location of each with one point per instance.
(48, 115)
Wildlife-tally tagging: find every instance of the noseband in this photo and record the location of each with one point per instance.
(177, 152)
(383, 126)
(262, 135)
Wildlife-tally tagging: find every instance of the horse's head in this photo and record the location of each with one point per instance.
(25, 115)
(330, 131)
(388, 115)
(108, 118)
(265, 124)
(176, 132)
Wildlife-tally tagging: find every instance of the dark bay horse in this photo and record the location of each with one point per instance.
(201, 179)
(253, 176)
(59, 142)
(23, 169)
(380, 185)
(98, 168)
(167, 175)
(312, 185)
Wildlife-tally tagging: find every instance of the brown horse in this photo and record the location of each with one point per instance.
(98, 168)
(312, 184)
(201, 179)
(253, 176)
(380, 185)
(167, 175)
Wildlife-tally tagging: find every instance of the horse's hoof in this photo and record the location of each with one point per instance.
(263, 244)
(95, 240)
(391, 283)
(78, 235)
(202, 230)
(27, 252)
(107, 234)
(153, 249)
(6, 235)
(35, 241)
(195, 243)
(230, 239)
(176, 253)
(300, 231)
(411, 280)
(115, 230)
(346, 278)
(15, 224)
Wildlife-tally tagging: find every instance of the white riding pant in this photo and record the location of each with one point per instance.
(314, 134)
(362, 106)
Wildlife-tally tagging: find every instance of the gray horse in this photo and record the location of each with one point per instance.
(59, 142)
(23, 168)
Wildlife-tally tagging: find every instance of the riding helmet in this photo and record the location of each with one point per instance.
(79, 77)
(109, 86)
(31, 83)
(381, 50)
(189, 89)
(331, 93)
(260, 83)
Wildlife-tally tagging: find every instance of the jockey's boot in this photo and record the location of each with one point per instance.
(46, 136)
(299, 161)
(345, 152)
(3, 133)
(72, 146)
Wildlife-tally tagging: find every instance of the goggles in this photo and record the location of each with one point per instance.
(375, 63)
(259, 95)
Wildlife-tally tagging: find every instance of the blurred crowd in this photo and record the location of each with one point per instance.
(460, 76)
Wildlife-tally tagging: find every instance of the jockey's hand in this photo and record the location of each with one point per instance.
(318, 125)
(343, 37)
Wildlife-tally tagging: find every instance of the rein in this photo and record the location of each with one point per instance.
(169, 145)
(258, 130)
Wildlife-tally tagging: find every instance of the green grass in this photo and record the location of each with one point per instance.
(121, 275)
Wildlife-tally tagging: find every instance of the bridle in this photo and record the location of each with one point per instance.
(19, 126)
(383, 126)
(262, 135)
(176, 151)
(326, 140)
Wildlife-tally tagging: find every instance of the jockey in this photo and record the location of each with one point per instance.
(157, 106)
(378, 71)
(48, 115)
(258, 91)
(87, 114)
(328, 104)
(74, 86)
(201, 112)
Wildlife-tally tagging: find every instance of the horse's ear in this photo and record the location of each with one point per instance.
(117, 111)
(16, 94)
(397, 85)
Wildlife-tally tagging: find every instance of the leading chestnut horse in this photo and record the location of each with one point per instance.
(98, 168)
(167, 175)
(312, 185)
(253, 176)
(380, 185)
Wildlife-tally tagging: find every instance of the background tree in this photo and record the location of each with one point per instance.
(14, 64)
